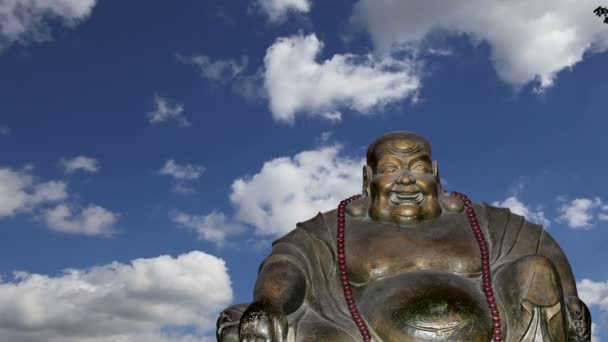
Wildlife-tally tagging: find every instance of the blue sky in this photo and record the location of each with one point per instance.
(151, 151)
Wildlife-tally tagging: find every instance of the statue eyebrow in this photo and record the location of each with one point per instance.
(423, 157)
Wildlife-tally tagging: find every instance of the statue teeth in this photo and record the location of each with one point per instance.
(406, 198)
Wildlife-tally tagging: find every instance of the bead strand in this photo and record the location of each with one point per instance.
(485, 267)
(347, 290)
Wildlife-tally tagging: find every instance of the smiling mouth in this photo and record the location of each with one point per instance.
(405, 198)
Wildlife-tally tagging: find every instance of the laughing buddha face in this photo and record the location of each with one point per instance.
(402, 180)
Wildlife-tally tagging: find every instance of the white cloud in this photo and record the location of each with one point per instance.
(21, 192)
(579, 212)
(82, 163)
(118, 302)
(277, 10)
(517, 207)
(295, 82)
(218, 70)
(214, 227)
(28, 21)
(164, 111)
(288, 190)
(5, 130)
(182, 172)
(529, 39)
(90, 220)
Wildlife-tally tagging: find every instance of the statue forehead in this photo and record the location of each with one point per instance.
(399, 144)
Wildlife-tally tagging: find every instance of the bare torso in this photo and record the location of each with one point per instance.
(421, 283)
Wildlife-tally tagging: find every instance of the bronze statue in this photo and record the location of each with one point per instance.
(409, 262)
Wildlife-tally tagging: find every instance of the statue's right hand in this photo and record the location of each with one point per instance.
(263, 322)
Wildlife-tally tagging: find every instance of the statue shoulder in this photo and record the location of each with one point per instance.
(318, 227)
(511, 234)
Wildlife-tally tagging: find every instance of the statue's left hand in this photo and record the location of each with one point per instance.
(263, 322)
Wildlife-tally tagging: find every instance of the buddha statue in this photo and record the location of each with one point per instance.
(407, 261)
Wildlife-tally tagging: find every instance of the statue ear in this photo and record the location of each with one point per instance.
(367, 178)
(436, 174)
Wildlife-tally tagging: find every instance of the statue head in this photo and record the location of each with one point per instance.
(401, 180)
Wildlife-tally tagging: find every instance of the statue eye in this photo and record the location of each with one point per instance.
(420, 167)
(389, 169)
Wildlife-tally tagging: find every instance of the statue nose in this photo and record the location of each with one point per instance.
(405, 178)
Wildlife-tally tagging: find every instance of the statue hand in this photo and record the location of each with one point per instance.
(263, 322)
(579, 325)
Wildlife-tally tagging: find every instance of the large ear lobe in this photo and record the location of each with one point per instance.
(436, 174)
(367, 178)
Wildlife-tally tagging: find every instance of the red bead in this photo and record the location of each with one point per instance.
(496, 324)
(497, 338)
(497, 331)
(495, 313)
(495, 317)
(492, 305)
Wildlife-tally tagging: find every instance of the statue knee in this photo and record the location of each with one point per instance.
(532, 279)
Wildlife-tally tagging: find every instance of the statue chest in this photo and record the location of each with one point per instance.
(385, 250)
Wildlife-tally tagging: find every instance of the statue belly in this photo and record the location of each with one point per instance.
(426, 306)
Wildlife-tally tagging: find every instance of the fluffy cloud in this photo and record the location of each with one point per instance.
(27, 21)
(218, 71)
(296, 82)
(288, 190)
(140, 301)
(530, 40)
(517, 207)
(182, 174)
(21, 192)
(214, 227)
(277, 10)
(90, 220)
(81, 163)
(164, 111)
(578, 213)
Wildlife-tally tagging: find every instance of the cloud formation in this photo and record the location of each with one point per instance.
(286, 190)
(90, 220)
(579, 212)
(277, 10)
(21, 192)
(296, 82)
(165, 111)
(79, 163)
(134, 302)
(529, 40)
(28, 21)
(221, 71)
(214, 227)
(519, 208)
(182, 174)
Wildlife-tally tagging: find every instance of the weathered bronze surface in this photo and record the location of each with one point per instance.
(414, 266)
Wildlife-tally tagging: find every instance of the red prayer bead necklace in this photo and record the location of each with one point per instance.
(485, 269)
